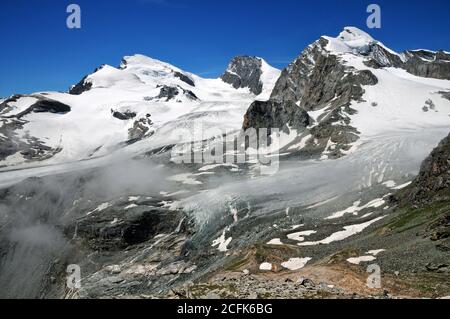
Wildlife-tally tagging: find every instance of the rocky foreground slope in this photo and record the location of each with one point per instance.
(333, 80)
(414, 263)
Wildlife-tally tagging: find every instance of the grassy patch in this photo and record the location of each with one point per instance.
(237, 264)
(266, 253)
(410, 217)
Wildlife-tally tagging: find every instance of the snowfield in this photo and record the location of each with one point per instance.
(89, 130)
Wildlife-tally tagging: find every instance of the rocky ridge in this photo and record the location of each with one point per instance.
(244, 72)
(323, 81)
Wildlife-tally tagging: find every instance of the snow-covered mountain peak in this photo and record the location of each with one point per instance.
(353, 40)
(143, 61)
(108, 76)
(152, 71)
(350, 34)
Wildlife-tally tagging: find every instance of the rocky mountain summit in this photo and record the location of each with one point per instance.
(245, 72)
(328, 81)
(250, 72)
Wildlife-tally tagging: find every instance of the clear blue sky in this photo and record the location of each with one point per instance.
(39, 53)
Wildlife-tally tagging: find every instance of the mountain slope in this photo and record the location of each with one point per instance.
(353, 88)
(253, 73)
(115, 107)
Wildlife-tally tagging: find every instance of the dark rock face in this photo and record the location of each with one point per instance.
(433, 182)
(379, 57)
(317, 77)
(168, 93)
(51, 222)
(43, 105)
(331, 82)
(445, 95)
(80, 87)
(184, 78)
(140, 130)
(317, 80)
(428, 64)
(132, 227)
(124, 116)
(273, 114)
(47, 105)
(189, 94)
(419, 62)
(30, 148)
(244, 72)
(293, 80)
(84, 85)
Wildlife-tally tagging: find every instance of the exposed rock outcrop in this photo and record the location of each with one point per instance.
(123, 116)
(433, 182)
(131, 227)
(42, 105)
(184, 78)
(380, 57)
(244, 72)
(81, 87)
(84, 85)
(428, 64)
(316, 81)
(169, 93)
(274, 114)
(27, 147)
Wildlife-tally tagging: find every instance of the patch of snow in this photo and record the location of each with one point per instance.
(344, 234)
(172, 205)
(131, 206)
(321, 203)
(20, 105)
(185, 179)
(390, 184)
(301, 144)
(366, 215)
(402, 186)
(300, 236)
(269, 78)
(295, 263)
(234, 212)
(355, 209)
(222, 242)
(376, 252)
(275, 242)
(100, 208)
(265, 267)
(359, 260)
(214, 166)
